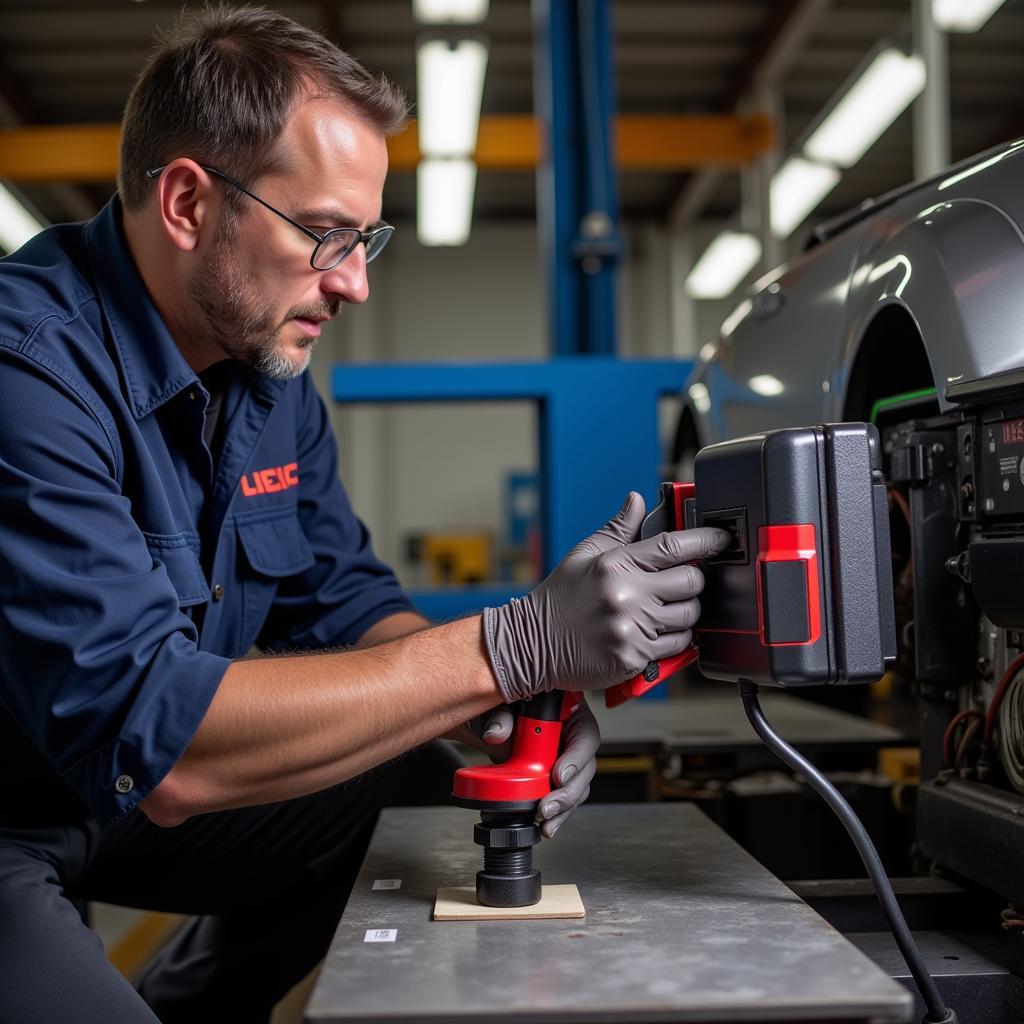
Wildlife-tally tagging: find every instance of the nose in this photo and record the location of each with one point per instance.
(348, 280)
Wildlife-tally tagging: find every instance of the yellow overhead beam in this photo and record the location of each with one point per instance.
(67, 152)
(508, 142)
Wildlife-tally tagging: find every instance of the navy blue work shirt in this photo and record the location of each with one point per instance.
(132, 568)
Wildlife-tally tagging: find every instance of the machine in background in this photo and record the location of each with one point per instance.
(956, 487)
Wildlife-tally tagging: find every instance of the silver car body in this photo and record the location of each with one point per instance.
(932, 274)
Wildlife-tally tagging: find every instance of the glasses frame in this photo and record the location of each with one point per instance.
(357, 236)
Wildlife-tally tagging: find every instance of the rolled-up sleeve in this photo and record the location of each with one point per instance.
(347, 589)
(98, 665)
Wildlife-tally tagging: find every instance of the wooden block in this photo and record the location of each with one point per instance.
(459, 904)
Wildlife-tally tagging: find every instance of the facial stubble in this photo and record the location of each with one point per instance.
(232, 316)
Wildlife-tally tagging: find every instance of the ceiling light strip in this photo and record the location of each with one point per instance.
(723, 265)
(17, 224)
(444, 200)
(963, 15)
(887, 86)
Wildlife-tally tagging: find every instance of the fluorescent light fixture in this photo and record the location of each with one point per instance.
(766, 385)
(449, 87)
(723, 265)
(796, 188)
(464, 12)
(444, 201)
(17, 225)
(963, 15)
(886, 88)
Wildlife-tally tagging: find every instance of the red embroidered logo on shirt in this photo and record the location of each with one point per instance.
(270, 480)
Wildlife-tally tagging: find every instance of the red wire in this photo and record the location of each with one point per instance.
(1004, 685)
(947, 736)
(902, 502)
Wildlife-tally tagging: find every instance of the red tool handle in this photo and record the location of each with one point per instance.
(655, 673)
(670, 514)
(526, 775)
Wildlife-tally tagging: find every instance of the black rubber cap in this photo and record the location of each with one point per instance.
(508, 890)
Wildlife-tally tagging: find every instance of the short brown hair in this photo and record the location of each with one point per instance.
(221, 86)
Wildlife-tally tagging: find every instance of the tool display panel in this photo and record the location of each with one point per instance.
(681, 925)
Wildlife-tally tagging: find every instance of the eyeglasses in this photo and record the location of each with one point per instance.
(331, 248)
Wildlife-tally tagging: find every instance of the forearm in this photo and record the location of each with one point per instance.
(283, 727)
(402, 624)
(392, 627)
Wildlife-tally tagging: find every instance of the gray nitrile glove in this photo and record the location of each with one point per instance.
(492, 732)
(609, 608)
(572, 771)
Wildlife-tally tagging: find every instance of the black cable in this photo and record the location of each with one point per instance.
(937, 1013)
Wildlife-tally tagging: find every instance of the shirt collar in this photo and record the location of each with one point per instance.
(154, 368)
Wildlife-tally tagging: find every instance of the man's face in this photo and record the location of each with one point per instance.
(255, 296)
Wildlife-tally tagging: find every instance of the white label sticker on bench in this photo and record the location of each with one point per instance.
(387, 883)
(380, 935)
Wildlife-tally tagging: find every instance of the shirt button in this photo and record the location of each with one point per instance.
(192, 395)
(218, 592)
(124, 784)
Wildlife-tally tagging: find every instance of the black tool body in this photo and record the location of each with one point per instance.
(803, 595)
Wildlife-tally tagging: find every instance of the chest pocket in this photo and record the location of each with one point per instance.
(179, 555)
(274, 548)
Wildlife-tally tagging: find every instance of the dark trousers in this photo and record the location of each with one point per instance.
(267, 886)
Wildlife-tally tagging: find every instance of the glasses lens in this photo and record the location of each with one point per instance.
(379, 237)
(337, 244)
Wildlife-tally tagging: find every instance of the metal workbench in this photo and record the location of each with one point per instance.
(682, 925)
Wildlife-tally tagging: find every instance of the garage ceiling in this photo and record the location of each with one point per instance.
(63, 62)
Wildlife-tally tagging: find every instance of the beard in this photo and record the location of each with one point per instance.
(233, 317)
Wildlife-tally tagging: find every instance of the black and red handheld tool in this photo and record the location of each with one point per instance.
(801, 596)
(507, 796)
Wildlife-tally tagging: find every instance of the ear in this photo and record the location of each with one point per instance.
(188, 203)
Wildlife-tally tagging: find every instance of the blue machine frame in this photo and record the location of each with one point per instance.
(598, 436)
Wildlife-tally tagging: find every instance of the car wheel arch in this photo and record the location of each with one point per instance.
(953, 271)
(890, 358)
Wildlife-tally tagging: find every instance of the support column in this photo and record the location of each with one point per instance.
(768, 101)
(684, 340)
(577, 195)
(932, 149)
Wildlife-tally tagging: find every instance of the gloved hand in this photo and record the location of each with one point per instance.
(611, 606)
(490, 732)
(573, 771)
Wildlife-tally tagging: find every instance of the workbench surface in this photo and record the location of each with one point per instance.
(705, 722)
(682, 925)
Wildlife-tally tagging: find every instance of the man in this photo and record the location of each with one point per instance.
(169, 499)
